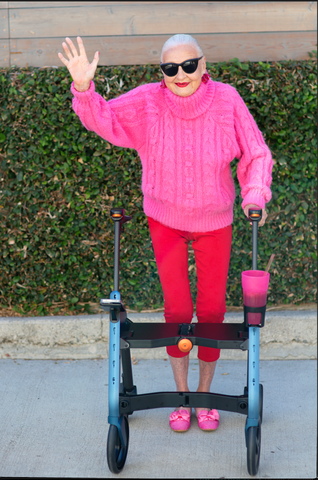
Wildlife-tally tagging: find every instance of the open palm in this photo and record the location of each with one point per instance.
(79, 67)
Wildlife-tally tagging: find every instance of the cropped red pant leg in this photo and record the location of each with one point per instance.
(212, 256)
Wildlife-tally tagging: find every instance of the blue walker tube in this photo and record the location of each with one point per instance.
(253, 378)
(114, 376)
(114, 368)
(114, 350)
(253, 357)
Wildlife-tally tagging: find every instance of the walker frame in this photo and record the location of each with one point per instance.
(124, 335)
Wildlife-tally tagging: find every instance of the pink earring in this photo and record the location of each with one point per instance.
(205, 77)
(163, 84)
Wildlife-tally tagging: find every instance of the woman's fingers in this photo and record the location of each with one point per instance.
(62, 59)
(81, 46)
(96, 59)
(264, 216)
(67, 51)
(72, 47)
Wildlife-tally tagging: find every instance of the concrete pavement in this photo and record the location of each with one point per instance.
(54, 402)
(53, 419)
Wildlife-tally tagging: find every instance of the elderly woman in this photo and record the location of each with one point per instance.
(187, 130)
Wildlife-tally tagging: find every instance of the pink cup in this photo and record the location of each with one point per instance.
(255, 285)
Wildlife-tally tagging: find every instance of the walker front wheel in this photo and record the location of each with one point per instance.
(116, 452)
(253, 449)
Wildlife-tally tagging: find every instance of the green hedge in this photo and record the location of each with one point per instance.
(58, 182)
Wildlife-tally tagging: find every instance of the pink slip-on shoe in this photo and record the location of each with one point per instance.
(180, 421)
(208, 420)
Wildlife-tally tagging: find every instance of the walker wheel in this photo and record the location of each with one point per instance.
(185, 345)
(116, 453)
(253, 449)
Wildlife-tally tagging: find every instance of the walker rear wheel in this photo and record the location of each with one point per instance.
(116, 452)
(253, 449)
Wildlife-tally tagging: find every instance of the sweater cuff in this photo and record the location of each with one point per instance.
(83, 96)
(253, 198)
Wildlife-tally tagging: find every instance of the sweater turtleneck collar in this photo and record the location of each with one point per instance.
(194, 105)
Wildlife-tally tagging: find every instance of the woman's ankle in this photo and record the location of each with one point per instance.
(198, 410)
(188, 409)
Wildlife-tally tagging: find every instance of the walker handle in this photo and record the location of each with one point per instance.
(119, 218)
(254, 216)
(118, 215)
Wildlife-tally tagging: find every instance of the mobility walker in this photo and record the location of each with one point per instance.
(124, 334)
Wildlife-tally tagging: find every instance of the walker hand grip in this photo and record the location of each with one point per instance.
(118, 215)
(254, 215)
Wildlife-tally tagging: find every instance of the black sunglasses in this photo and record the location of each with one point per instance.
(188, 66)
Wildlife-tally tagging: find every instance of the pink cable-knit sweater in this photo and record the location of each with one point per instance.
(186, 145)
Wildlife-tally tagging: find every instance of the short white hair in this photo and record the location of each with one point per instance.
(181, 39)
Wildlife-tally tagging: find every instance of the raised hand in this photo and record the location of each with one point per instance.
(81, 70)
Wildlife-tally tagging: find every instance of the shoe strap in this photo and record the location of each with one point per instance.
(180, 414)
(206, 415)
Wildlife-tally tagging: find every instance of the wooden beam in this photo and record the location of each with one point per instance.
(148, 19)
(4, 23)
(57, 4)
(4, 53)
(138, 50)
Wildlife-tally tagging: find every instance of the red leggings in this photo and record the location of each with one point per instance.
(212, 256)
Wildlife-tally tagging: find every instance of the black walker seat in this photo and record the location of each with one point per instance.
(123, 398)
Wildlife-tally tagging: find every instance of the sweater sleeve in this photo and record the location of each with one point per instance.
(121, 121)
(255, 161)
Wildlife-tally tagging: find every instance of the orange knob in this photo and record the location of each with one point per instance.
(185, 345)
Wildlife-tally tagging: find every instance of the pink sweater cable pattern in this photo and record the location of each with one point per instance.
(186, 145)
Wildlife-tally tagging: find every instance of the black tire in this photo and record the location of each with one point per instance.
(260, 403)
(116, 453)
(253, 449)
